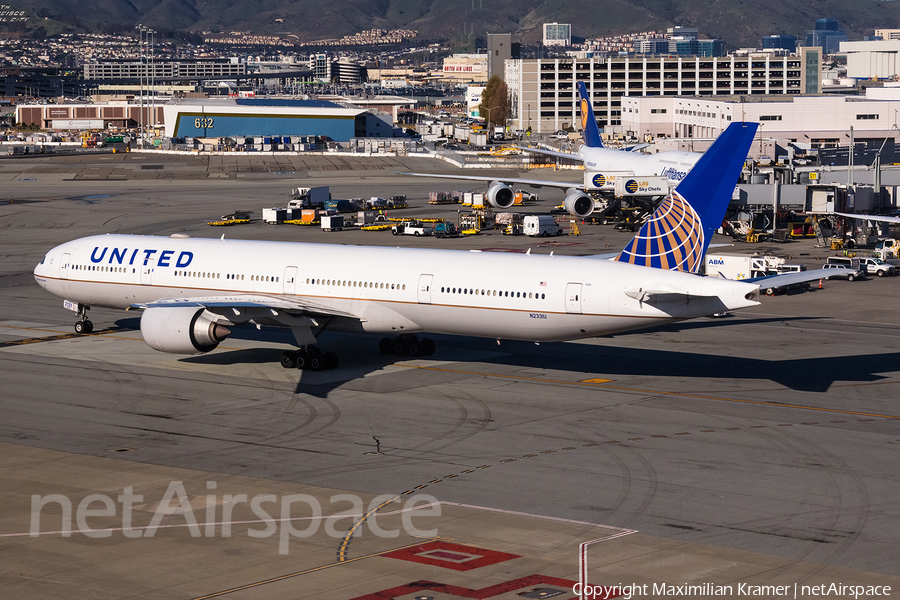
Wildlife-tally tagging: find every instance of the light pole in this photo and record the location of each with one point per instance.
(489, 114)
(141, 75)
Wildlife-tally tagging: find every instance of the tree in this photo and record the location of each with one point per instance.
(495, 102)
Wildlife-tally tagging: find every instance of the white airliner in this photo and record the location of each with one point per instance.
(193, 290)
(674, 165)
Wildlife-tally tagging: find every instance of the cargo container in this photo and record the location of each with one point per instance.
(309, 215)
(275, 216)
(340, 205)
(332, 223)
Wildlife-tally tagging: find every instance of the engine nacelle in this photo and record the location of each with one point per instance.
(500, 195)
(578, 203)
(182, 329)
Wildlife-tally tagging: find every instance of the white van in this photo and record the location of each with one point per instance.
(541, 226)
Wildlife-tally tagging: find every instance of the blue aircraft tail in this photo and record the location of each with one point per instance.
(677, 235)
(589, 129)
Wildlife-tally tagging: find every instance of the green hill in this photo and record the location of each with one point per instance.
(740, 22)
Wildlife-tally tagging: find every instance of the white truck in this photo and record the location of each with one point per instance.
(309, 197)
(742, 266)
(412, 228)
(887, 248)
(540, 226)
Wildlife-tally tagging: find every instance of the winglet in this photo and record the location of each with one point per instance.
(590, 132)
(677, 235)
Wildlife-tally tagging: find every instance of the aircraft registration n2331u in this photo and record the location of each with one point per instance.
(192, 290)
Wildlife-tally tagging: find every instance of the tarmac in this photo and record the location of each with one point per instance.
(760, 449)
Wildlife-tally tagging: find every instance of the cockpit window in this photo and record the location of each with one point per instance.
(43, 259)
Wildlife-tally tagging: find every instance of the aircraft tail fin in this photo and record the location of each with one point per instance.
(590, 132)
(678, 233)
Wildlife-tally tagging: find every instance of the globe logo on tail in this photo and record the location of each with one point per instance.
(672, 239)
(584, 113)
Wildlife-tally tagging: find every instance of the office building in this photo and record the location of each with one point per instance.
(557, 34)
(827, 35)
(544, 96)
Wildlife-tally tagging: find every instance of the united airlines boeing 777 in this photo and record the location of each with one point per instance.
(192, 291)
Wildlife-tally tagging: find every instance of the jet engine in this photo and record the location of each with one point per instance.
(578, 203)
(500, 195)
(182, 329)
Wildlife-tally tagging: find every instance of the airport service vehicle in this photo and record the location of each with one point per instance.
(887, 248)
(673, 165)
(540, 226)
(193, 291)
(445, 230)
(876, 266)
(412, 228)
(742, 266)
(309, 197)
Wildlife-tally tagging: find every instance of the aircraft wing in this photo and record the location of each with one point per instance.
(871, 217)
(249, 301)
(776, 281)
(536, 183)
(635, 148)
(557, 153)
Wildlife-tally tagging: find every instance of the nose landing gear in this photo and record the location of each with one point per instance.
(83, 325)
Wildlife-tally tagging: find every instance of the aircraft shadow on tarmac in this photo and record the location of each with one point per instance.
(603, 361)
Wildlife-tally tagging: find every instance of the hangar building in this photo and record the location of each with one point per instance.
(254, 116)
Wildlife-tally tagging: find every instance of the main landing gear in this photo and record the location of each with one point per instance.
(309, 357)
(83, 325)
(407, 345)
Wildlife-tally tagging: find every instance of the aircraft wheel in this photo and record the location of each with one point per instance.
(414, 348)
(331, 360)
(301, 360)
(316, 363)
(287, 360)
(89, 325)
(428, 347)
(80, 327)
(399, 346)
(386, 346)
(770, 291)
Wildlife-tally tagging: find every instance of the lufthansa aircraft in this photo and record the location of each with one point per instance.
(673, 165)
(193, 290)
